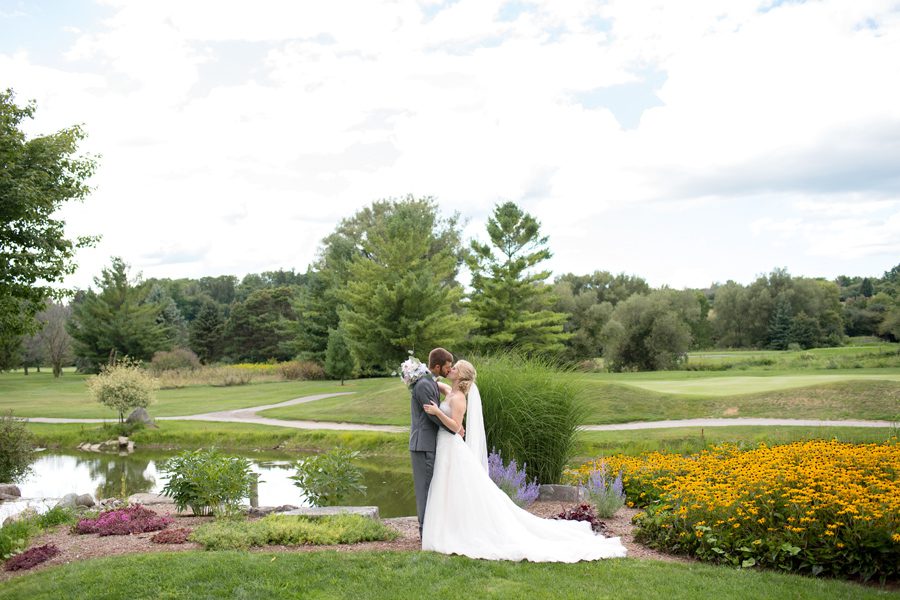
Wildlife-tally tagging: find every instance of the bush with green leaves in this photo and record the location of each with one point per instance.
(171, 360)
(16, 449)
(123, 387)
(288, 530)
(531, 413)
(208, 482)
(328, 479)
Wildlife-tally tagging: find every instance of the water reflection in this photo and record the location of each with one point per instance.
(108, 475)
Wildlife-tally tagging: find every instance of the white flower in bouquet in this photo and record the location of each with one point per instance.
(412, 370)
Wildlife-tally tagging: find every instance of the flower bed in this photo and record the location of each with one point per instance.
(123, 521)
(818, 507)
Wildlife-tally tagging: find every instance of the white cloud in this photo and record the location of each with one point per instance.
(347, 102)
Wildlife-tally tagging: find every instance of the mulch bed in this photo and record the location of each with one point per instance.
(83, 547)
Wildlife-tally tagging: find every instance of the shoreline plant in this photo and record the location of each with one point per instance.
(327, 479)
(208, 482)
(16, 448)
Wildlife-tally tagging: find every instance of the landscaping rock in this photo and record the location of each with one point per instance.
(28, 513)
(111, 503)
(328, 511)
(140, 415)
(67, 501)
(262, 511)
(559, 493)
(8, 497)
(85, 500)
(149, 499)
(10, 490)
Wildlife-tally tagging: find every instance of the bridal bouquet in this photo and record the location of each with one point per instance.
(412, 370)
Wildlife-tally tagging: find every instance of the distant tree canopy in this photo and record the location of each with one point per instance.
(37, 177)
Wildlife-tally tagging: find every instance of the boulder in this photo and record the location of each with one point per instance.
(150, 498)
(85, 500)
(559, 493)
(28, 513)
(10, 490)
(262, 511)
(327, 511)
(67, 501)
(140, 415)
(8, 497)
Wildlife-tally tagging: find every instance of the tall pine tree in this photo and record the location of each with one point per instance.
(206, 333)
(339, 363)
(509, 300)
(780, 324)
(115, 320)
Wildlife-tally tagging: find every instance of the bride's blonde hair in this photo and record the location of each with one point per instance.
(465, 375)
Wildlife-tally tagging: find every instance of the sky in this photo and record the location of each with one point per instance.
(684, 142)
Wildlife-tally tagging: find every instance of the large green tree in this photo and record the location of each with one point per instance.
(510, 302)
(116, 320)
(401, 291)
(207, 333)
(37, 177)
(262, 327)
(339, 363)
(649, 333)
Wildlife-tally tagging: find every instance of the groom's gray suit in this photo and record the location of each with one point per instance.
(423, 431)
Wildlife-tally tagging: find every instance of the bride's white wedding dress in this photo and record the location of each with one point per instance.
(468, 514)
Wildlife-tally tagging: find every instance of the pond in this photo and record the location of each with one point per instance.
(54, 474)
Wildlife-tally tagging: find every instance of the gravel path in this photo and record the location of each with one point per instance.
(250, 415)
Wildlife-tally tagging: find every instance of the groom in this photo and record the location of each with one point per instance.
(423, 427)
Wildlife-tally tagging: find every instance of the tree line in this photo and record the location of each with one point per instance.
(386, 281)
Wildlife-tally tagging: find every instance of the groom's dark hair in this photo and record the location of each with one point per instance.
(439, 356)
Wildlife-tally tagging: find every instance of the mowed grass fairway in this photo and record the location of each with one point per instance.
(381, 575)
(871, 394)
(40, 395)
(624, 397)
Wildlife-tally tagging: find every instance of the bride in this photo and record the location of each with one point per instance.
(468, 514)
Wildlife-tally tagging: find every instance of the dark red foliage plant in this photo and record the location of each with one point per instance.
(582, 512)
(172, 536)
(31, 558)
(124, 521)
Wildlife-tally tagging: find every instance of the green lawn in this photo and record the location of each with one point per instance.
(321, 575)
(40, 395)
(612, 397)
(624, 399)
(685, 440)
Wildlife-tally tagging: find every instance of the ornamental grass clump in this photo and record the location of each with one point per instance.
(606, 496)
(512, 480)
(532, 411)
(123, 521)
(816, 507)
(31, 558)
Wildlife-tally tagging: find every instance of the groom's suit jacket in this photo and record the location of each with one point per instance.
(423, 427)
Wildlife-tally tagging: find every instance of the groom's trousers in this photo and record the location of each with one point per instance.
(423, 469)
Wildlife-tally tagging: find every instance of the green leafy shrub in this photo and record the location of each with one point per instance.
(15, 535)
(304, 370)
(208, 482)
(177, 358)
(531, 413)
(16, 449)
(287, 530)
(123, 387)
(327, 479)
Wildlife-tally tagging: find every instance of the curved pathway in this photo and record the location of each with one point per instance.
(249, 415)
